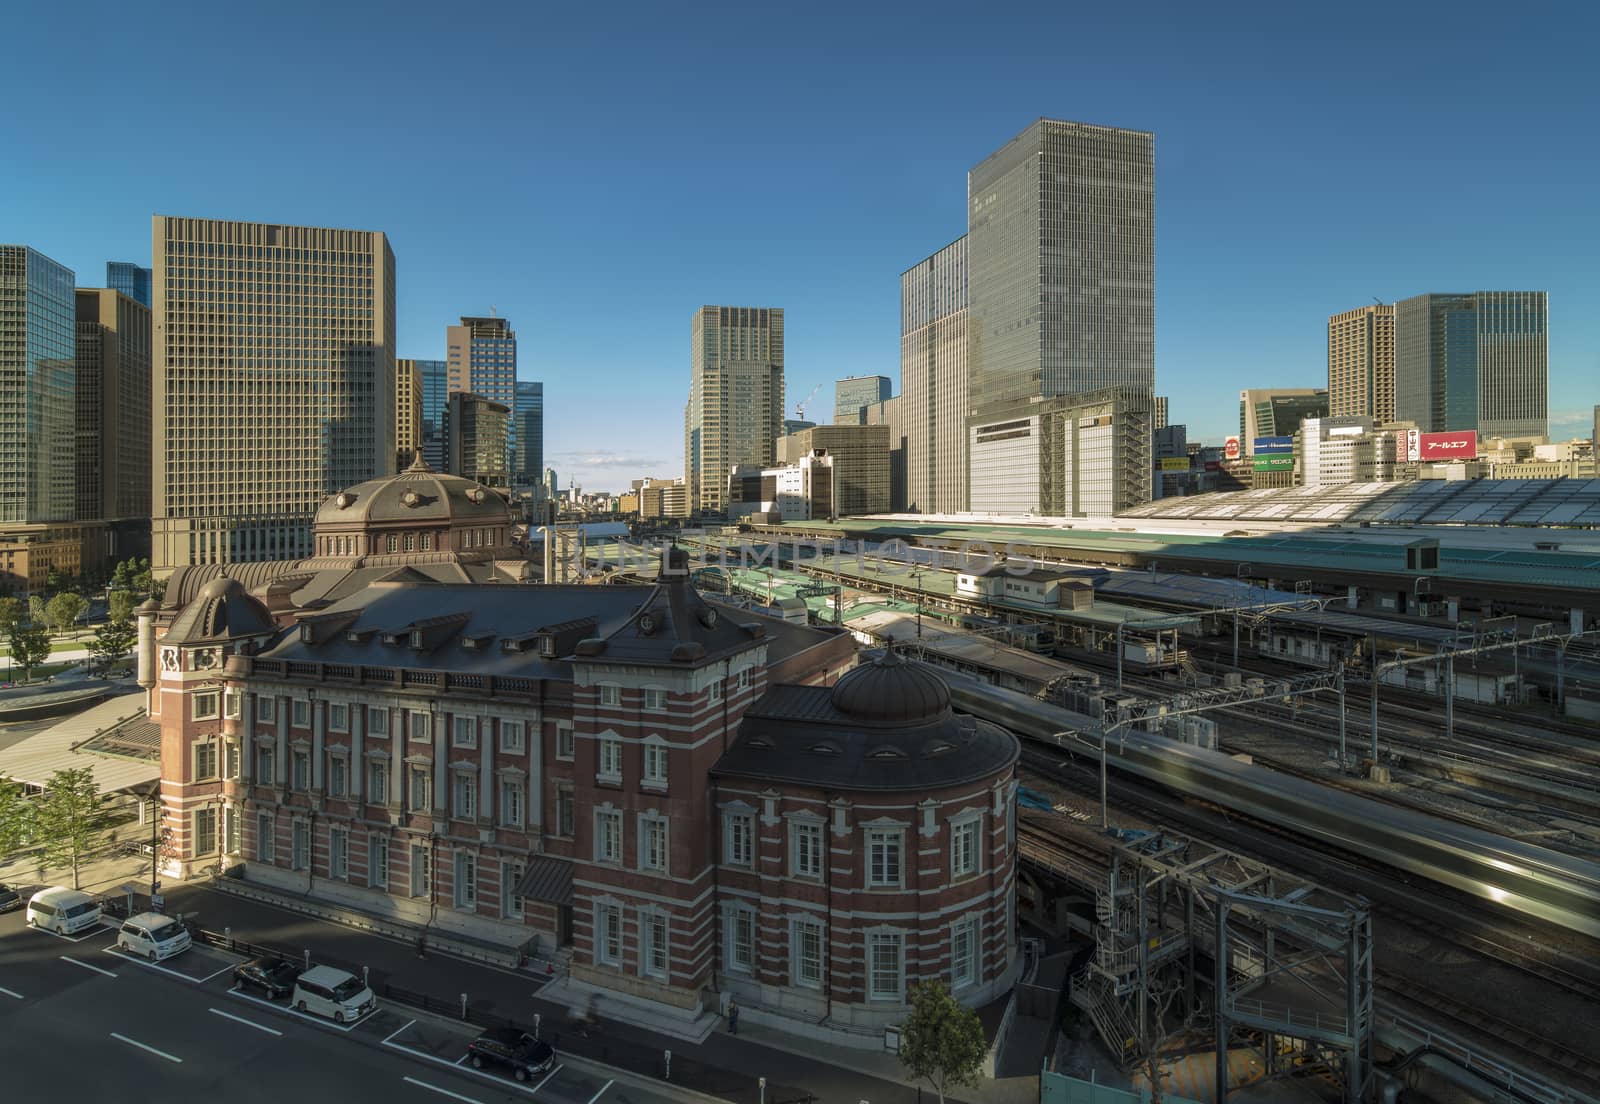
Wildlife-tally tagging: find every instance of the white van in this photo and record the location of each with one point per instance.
(63, 911)
(153, 936)
(333, 993)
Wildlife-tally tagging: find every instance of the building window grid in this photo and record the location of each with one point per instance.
(738, 839)
(884, 849)
(805, 849)
(607, 836)
(806, 954)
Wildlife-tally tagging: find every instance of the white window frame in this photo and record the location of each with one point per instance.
(300, 770)
(738, 839)
(608, 759)
(511, 906)
(608, 836)
(513, 796)
(464, 885)
(232, 829)
(464, 795)
(300, 846)
(608, 933)
(740, 921)
(419, 723)
(965, 969)
(264, 707)
(714, 692)
(266, 766)
(205, 760)
(565, 743)
(378, 862)
(463, 731)
(418, 777)
(799, 928)
(232, 703)
(377, 782)
(566, 802)
(338, 717)
(655, 699)
(205, 824)
(878, 938)
(655, 763)
(205, 705)
(377, 721)
(876, 837)
(654, 925)
(742, 679)
(805, 830)
(302, 713)
(339, 853)
(610, 695)
(966, 845)
(655, 842)
(266, 841)
(232, 759)
(513, 738)
(419, 876)
(338, 772)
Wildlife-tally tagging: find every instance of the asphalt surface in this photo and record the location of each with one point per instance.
(78, 1016)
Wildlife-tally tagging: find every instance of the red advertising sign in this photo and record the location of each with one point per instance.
(1456, 445)
(1230, 448)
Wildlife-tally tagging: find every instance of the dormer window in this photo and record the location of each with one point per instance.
(547, 646)
(416, 639)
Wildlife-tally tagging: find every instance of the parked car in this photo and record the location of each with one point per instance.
(515, 1050)
(153, 935)
(9, 898)
(334, 993)
(272, 977)
(62, 910)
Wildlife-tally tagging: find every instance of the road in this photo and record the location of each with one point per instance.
(78, 1015)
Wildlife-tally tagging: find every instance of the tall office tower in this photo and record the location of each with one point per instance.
(113, 406)
(735, 410)
(38, 417)
(933, 380)
(1159, 412)
(1361, 363)
(481, 357)
(476, 429)
(853, 394)
(891, 413)
(527, 418)
(407, 412)
(795, 425)
(1060, 229)
(860, 463)
(435, 397)
(274, 383)
(1277, 412)
(130, 279)
(1476, 360)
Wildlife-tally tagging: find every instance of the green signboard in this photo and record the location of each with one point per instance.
(1274, 463)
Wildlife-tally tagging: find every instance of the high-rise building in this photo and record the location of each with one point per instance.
(273, 373)
(113, 406)
(476, 429)
(407, 412)
(481, 355)
(795, 425)
(1477, 360)
(1361, 363)
(1060, 232)
(933, 380)
(1159, 412)
(130, 279)
(1277, 412)
(38, 417)
(860, 463)
(852, 395)
(435, 398)
(527, 418)
(735, 410)
(891, 413)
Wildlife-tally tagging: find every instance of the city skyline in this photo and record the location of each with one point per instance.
(1245, 243)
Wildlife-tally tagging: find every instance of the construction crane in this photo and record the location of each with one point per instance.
(800, 407)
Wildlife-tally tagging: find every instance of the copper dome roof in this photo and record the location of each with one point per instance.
(220, 611)
(890, 691)
(418, 494)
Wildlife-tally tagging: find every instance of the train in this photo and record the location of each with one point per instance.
(1562, 890)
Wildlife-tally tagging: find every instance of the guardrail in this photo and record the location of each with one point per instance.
(565, 1034)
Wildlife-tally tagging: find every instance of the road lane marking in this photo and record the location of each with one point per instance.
(602, 1091)
(248, 1023)
(86, 966)
(10, 993)
(493, 1079)
(547, 1077)
(145, 1046)
(120, 952)
(397, 1031)
(461, 1059)
(442, 1092)
(208, 977)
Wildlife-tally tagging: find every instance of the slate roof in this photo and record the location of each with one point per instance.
(674, 626)
(222, 610)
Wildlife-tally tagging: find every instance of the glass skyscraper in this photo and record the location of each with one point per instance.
(435, 398)
(1477, 360)
(852, 396)
(130, 279)
(934, 380)
(735, 410)
(482, 358)
(1061, 241)
(38, 392)
(527, 427)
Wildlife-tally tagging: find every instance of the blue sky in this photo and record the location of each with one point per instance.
(596, 174)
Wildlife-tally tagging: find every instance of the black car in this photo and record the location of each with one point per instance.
(518, 1051)
(274, 977)
(9, 898)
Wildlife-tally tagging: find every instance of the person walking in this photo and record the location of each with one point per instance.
(733, 1016)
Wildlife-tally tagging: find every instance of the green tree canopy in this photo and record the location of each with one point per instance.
(11, 611)
(62, 611)
(16, 817)
(30, 646)
(36, 609)
(942, 1041)
(69, 818)
(113, 640)
(121, 605)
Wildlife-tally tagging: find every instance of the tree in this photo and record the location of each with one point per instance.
(62, 611)
(121, 605)
(30, 646)
(942, 1041)
(69, 818)
(11, 611)
(113, 640)
(36, 609)
(16, 816)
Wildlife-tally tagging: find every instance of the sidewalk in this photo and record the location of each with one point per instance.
(830, 1075)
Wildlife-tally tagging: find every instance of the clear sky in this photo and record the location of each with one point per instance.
(597, 172)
